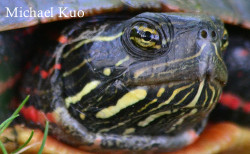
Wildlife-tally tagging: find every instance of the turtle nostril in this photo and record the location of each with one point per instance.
(209, 35)
(213, 34)
(204, 34)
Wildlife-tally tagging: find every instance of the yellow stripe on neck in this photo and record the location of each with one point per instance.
(128, 99)
(86, 89)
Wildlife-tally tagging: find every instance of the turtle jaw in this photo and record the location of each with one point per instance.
(191, 76)
(165, 116)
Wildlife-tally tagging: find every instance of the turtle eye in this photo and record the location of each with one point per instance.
(146, 39)
(144, 36)
(224, 40)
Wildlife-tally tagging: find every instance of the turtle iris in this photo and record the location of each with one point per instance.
(144, 36)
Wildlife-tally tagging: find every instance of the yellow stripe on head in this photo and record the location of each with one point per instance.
(97, 38)
(127, 100)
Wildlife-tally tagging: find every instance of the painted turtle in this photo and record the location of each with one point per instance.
(163, 71)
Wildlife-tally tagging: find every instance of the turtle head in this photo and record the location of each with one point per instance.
(168, 66)
(171, 48)
(155, 74)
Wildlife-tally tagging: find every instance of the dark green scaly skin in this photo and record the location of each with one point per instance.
(14, 46)
(187, 66)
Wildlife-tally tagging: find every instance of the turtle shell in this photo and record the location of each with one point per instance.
(233, 12)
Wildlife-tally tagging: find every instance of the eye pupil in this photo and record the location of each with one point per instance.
(225, 37)
(147, 36)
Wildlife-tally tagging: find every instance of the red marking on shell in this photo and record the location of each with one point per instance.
(234, 102)
(41, 117)
(230, 100)
(37, 116)
(33, 114)
(246, 107)
(30, 113)
(51, 117)
(24, 113)
(63, 39)
(58, 66)
(44, 74)
(36, 69)
(9, 83)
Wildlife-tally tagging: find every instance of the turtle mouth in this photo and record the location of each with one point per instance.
(222, 82)
(191, 74)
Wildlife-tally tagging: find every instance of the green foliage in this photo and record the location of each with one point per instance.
(8, 121)
(44, 137)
